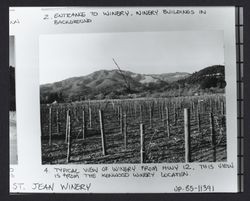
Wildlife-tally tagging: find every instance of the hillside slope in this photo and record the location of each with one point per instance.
(125, 84)
(12, 89)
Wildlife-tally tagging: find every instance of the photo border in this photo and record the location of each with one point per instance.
(4, 158)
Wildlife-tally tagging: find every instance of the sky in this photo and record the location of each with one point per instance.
(72, 55)
(11, 51)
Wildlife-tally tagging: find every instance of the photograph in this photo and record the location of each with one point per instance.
(132, 97)
(12, 109)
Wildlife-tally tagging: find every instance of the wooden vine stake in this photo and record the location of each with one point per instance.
(159, 110)
(66, 127)
(50, 126)
(83, 124)
(162, 111)
(222, 108)
(198, 119)
(102, 133)
(69, 139)
(167, 122)
(187, 135)
(90, 117)
(150, 116)
(125, 130)
(175, 120)
(142, 142)
(118, 113)
(121, 121)
(57, 121)
(213, 138)
(140, 113)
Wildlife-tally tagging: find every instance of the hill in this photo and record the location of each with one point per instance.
(12, 89)
(113, 84)
(207, 77)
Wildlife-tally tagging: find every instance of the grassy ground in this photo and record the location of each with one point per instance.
(158, 147)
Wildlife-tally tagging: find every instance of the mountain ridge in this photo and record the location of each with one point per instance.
(146, 74)
(114, 83)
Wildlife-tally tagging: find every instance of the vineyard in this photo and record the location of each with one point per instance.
(146, 130)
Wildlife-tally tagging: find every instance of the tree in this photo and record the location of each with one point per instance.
(54, 96)
(209, 82)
